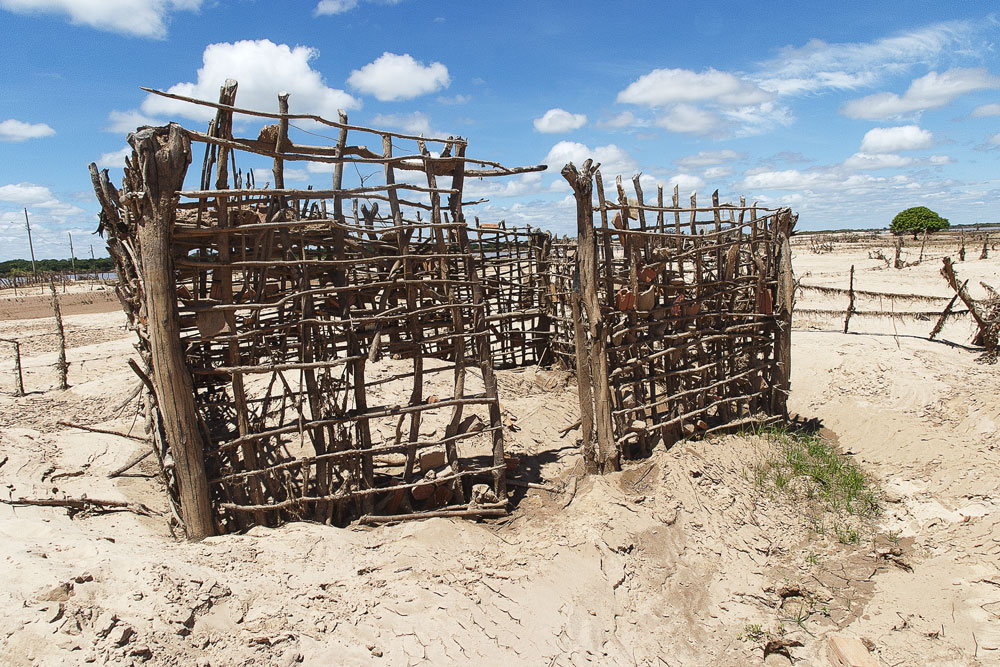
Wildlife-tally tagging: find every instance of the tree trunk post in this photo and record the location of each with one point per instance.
(164, 155)
(783, 316)
(582, 182)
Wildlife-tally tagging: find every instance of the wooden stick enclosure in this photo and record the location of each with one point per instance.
(279, 327)
(686, 317)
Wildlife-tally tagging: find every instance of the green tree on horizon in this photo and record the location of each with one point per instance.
(918, 219)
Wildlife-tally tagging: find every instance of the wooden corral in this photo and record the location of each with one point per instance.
(687, 316)
(279, 327)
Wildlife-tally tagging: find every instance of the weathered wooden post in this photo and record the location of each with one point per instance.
(61, 364)
(596, 398)
(18, 376)
(783, 315)
(850, 301)
(164, 154)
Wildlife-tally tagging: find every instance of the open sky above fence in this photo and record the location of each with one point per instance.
(848, 112)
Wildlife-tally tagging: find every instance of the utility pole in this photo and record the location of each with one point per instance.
(31, 247)
(72, 257)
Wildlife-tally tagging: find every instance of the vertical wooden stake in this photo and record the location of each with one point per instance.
(582, 182)
(61, 363)
(850, 302)
(783, 312)
(922, 244)
(164, 154)
(18, 377)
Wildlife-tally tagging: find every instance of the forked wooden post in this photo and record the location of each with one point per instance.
(607, 457)
(164, 154)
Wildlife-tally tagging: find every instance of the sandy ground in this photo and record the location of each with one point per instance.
(675, 561)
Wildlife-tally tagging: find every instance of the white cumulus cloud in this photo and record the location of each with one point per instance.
(930, 91)
(121, 122)
(614, 160)
(410, 123)
(895, 139)
(709, 158)
(16, 130)
(263, 69)
(869, 161)
(392, 77)
(34, 196)
(114, 159)
(668, 86)
(689, 119)
(144, 18)
(559, 120)
(718, 172)
(684, 182)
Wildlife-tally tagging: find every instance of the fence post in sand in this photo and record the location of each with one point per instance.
(164, 154)
(783, 315)
(986, 247)
(607, 456)
(61, 364)
(898, 263)
(18, 376)
(981, 320)
(850, 302)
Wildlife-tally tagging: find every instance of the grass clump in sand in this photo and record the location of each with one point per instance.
(805, 465)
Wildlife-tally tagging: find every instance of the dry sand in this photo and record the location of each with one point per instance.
(674, 561)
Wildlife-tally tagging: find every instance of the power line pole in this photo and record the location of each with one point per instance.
(27, 225)
(72, 257)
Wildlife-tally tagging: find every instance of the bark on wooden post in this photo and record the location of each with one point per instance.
(850, 301)
(164, 154)
(783, 315)
(582, 182)
(18, 376)
(61, 364)
(982, 321)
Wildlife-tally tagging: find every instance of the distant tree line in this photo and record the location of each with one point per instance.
(20, 267)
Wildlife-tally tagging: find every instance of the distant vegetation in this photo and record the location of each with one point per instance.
(22, 267)
(918, 219)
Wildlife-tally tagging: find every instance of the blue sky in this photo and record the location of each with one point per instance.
(847, 111)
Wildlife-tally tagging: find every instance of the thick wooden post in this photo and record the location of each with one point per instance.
(783, 315)
(164, 155)
(582, 182)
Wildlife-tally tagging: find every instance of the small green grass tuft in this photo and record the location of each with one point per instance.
(807, 465)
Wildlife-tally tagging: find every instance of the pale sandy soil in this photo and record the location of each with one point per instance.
(666, 563)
